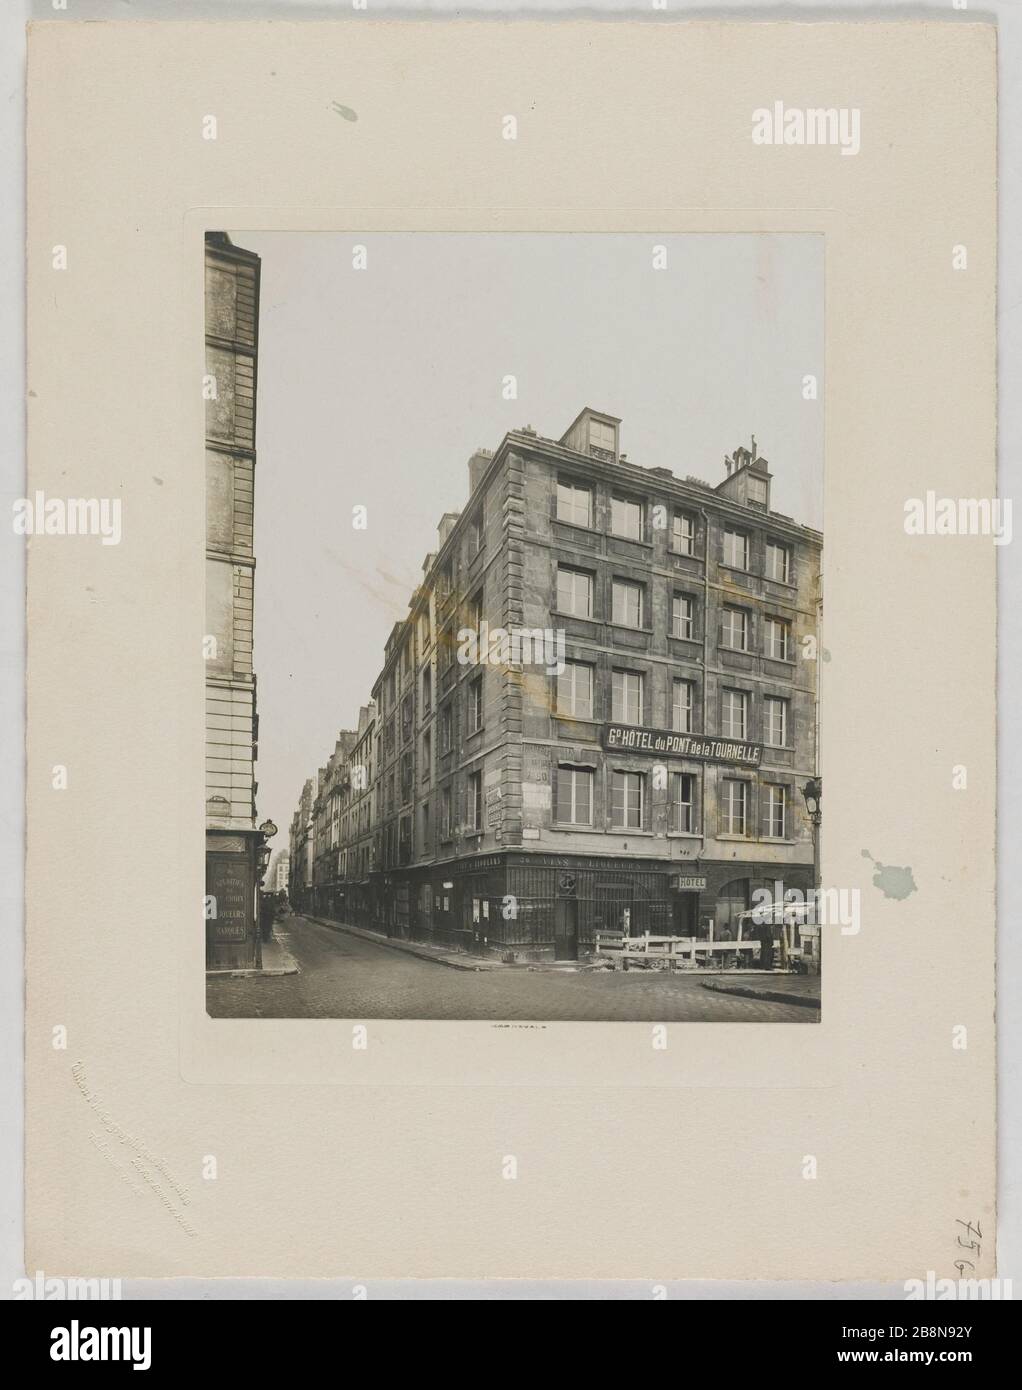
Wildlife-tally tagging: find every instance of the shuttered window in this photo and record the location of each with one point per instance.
(733, 806)
(627, 697)
(575, 690)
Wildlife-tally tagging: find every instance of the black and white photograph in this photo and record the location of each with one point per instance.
(514, 624)
(517, 555)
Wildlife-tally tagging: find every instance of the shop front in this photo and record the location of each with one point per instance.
(232, 928)
(525, 906)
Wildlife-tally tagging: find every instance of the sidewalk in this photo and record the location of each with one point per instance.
(277, 960)
(778, 989)
(457, 960)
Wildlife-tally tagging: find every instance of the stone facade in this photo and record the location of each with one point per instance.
(232, 841)
(635, 763)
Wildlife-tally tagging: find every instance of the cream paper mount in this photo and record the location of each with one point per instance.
(694, 1157)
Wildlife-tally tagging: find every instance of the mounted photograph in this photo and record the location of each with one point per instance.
(513, 626)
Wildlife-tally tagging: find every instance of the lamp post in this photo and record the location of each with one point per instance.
(262, 860)
(812, 794)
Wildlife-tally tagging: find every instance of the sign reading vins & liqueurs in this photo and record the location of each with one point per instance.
(664, 743)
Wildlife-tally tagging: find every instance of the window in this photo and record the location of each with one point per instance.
(602, 437)
(405, 840)
(476, 534)
(425, 825)
(427, 756)
(574, 503)
(445, 814)
(626, 801)
(574, 592)
(736, 550)
(683, 533)
(626, 518)
(407, 717)
(475, 705)
(774, 806)
(775, 719)
(427, 689)
(474, 611)
(446, 728)
(778, 639)
(734, 713)
(756, 490)
(778, 562)
(575, 795)
(735, 629)
(683, 797)
(733, 803)
(682, 616)
(627, 603)
(406, 777)
(682, 706)
(475, 801)
(424, 630)
(575, 690)
(626, 697)
(390, 791)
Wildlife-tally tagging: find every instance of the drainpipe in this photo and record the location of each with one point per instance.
(706, 651)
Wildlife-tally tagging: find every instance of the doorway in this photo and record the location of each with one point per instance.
(565, 929)
(686, 914)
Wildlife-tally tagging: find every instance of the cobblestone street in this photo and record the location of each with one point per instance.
(344, 976)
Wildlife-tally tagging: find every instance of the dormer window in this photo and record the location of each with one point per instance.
(602, 439)
(756, 491)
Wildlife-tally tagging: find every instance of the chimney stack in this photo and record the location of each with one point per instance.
(477, 466)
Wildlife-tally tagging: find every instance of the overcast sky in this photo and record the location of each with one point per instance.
(376, 385)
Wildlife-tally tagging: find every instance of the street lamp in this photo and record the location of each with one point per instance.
(812, 794)
(262, 860)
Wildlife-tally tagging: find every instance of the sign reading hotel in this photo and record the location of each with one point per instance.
(663, 743)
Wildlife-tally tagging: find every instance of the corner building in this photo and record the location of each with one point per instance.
(653, 783)
(232, 722)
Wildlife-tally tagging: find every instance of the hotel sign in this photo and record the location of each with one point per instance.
(664, 743)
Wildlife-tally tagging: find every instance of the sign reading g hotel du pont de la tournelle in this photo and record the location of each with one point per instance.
(627, 738)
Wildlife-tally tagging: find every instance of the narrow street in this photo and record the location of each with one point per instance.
(344, 976)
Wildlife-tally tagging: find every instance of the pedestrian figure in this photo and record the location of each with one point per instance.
(765, 937)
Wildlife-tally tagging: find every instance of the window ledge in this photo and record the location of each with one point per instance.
(576, 526)
(575, 617)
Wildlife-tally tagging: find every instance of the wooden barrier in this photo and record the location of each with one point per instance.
(664, 952)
